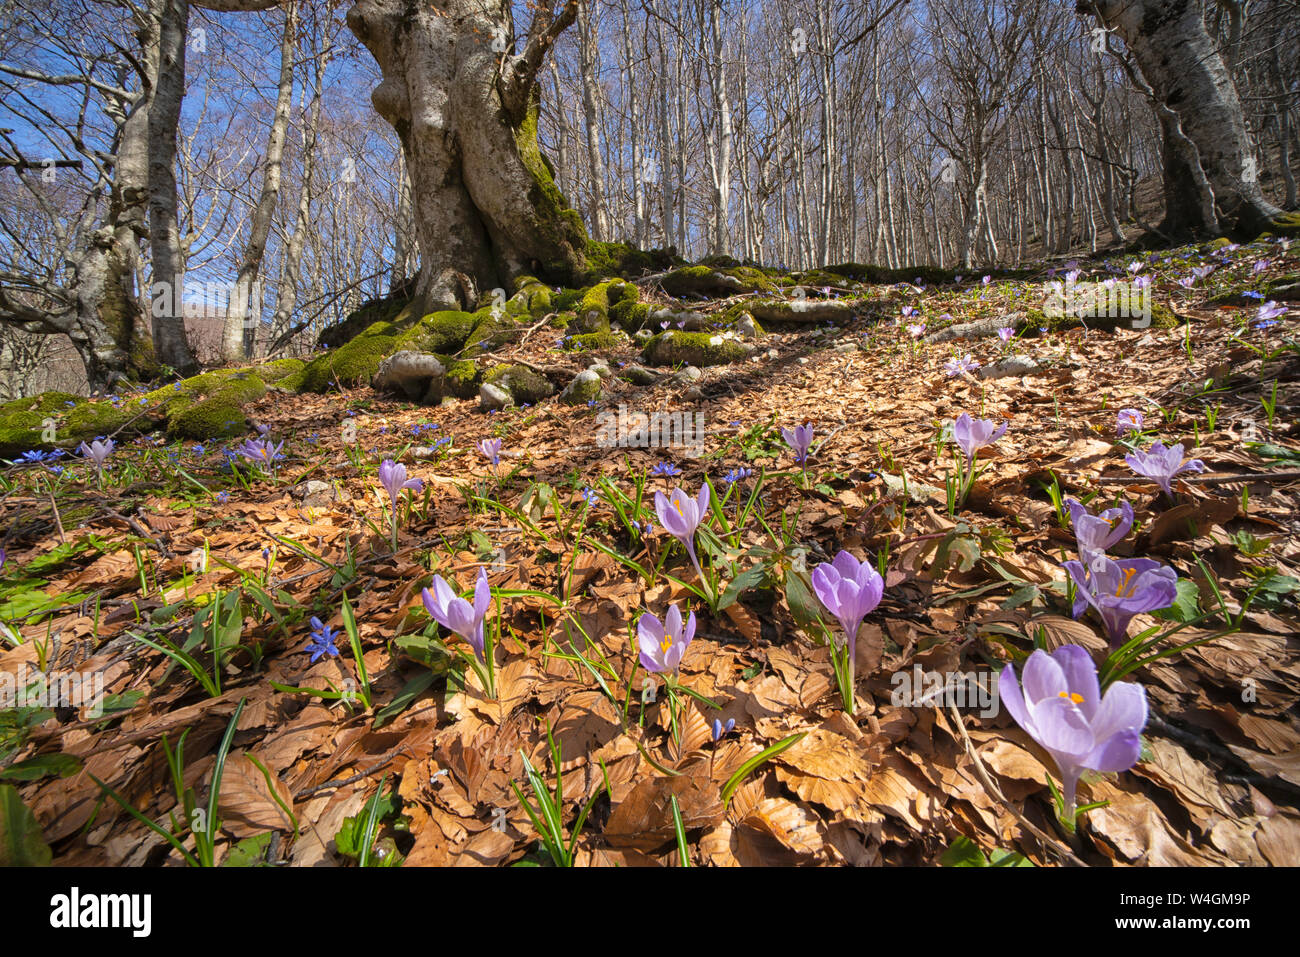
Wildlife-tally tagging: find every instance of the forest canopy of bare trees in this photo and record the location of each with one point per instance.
(954, 133)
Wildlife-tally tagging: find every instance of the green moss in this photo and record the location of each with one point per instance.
(441, 332)
(21, 421)
(566, 300)
(522, 383)
(706, 281)
(218, 415)
(620, 259)
(593, 310)
(693, 348)
(560, 227)
(630, 315)
(1288, 224)
(386, 309)
(584, 387)
(491, 332)
(461, 378)
(353, 363)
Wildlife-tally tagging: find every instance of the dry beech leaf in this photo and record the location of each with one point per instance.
(246, 805)
(644, 819)
(790, 824)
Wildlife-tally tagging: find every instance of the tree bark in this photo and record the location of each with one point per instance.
(486, 205)
(245, 302)
(170, 344)
(1206, 142)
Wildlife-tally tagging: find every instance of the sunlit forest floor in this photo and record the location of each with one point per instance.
(188, 579)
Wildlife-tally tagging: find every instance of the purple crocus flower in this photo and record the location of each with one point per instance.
(457, 614)
(261, 451)
(916, 329)
(392, 476)
(850, 590)
(957, 366)
(1006, 333)
(1128, 420)
(491, 449)
(1270, 310)
(1096, 533)
(97, 450)
(971, 435)
(662, 643)
(1120, 590)
(799, 439)
(2, 559)
(1161, 464)
(681, 515)
(1062, 708)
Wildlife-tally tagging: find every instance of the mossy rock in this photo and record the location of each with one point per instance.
(628, 262)
(584, 388)
(593, 311)
(383, 309)
(801, 310)
(462, 377)
(492, 331)
(353, 363)
(706, 281)
(694, 348)
(566, 300)
(21, 421)
(532, 297)
(521, 382)
(219, 415)
(442, 332)
(629, 314)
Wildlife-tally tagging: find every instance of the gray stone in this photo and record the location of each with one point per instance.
(584, 387)
(491, 397)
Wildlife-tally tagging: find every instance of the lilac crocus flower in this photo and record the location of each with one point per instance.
(662, 643)
(491, 449)
(916, 329)
(957, 366)
(799, 439)
(1270, 310)
(971, 435)
(681, 515)
(1062, 708)
(1161, 464)
(1096, 533)
(1120, 590)
(1128, 420)
(261, 451)
(1006, 333)
(392, 476)
(457, 614)
(97, 450)
(2, 559)
(850, 590)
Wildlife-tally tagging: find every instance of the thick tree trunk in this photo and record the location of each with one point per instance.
(1188, 76)
(170, 344)
(486, 205)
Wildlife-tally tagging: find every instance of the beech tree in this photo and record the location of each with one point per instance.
(1211, 178)
(465, 108)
